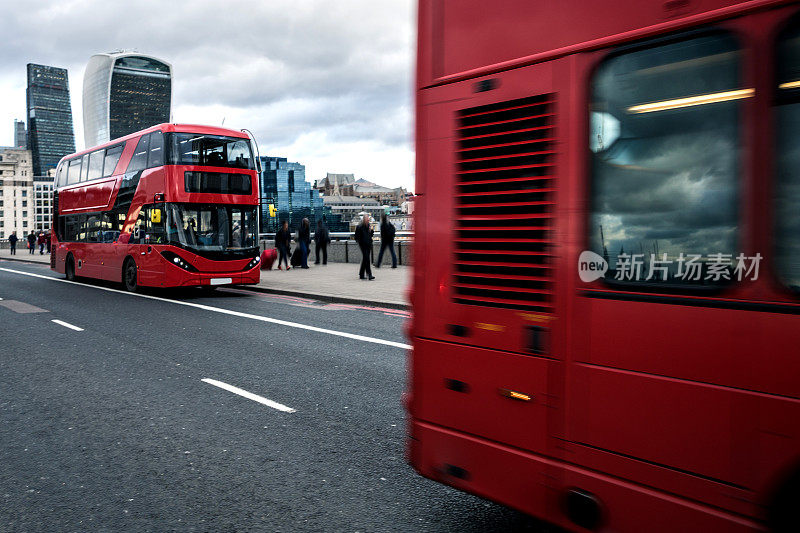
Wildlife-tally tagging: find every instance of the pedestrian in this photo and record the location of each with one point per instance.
(283, 239)
(12, 239)
(304, 241)
(322, 237)
(364, 240)
(31, 242)
(40, 240)
(387, 241)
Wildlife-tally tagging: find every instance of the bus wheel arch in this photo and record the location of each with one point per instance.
(69, 267)
(130, 274)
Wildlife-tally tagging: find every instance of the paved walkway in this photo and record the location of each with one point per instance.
(337, 282)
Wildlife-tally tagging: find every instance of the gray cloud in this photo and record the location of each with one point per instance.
(283, 69)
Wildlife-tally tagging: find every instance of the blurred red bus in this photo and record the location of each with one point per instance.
(172, 205)
(605, 306)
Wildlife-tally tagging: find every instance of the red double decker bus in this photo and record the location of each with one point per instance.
(605, 302)
(172, 205)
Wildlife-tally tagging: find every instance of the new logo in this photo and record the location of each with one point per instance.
(591, 266)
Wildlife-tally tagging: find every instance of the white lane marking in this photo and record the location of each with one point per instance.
(249, 395)
(225, 311)
(67, 325)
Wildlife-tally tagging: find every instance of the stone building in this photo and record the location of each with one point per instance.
(17, 202)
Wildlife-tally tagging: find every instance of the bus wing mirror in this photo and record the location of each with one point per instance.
(155, 216)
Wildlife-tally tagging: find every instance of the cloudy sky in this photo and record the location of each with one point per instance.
(327, 84)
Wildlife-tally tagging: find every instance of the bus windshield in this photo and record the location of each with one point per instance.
(210, 150)
(212, 228)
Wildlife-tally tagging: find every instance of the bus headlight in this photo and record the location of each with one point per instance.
(178, 261)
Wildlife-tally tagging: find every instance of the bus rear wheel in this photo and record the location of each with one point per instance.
(129, 276)
(69, 268)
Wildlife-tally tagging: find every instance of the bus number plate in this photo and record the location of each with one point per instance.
(220, 281)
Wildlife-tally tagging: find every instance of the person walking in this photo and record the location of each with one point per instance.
(364, 240)
(12, 239)
(304, 241)
(387, 241)
(31, 242)
(283, 239)
(321, 237)
(40, 240)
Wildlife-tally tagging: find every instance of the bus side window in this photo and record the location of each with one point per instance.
(85, 167)
(96, 164)
(74, 171)
(60, 175)
(155, 156)
(111, 159)
(139, 160)
(666, 175)
(787, 187)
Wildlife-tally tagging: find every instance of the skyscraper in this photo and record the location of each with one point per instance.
(20, 134)
(50, 133)
(124, 92)
(283, 184)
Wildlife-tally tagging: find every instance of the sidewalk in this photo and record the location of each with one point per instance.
(338, 282)
(334, 282)
(25, 256)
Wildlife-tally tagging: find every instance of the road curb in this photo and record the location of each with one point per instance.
(284, 292)
(327, 297)
(31, 261)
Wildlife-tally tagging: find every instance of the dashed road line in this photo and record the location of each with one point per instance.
(67, 325)
(249, 395)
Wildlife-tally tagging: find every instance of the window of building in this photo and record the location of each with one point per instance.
(96, 164)
(787, 191)
(665, 142)
(112, 158)
(24, 193)
(24, 203)
(139, 160)
(25, 224)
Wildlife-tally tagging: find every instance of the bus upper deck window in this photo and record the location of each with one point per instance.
(787, 197)
(665, 147)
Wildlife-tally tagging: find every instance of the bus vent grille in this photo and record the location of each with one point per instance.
(505, 186)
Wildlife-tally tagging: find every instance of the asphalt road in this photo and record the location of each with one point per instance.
(112, 428)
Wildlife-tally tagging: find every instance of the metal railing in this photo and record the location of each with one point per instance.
(400, 235)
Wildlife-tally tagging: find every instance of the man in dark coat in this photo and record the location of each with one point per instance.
(12, 239)
(283, 239)
(364, 240)
(304, 241)
(322, 237)
(387, 241)
(31, 242)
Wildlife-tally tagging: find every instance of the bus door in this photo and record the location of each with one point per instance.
(149, 236)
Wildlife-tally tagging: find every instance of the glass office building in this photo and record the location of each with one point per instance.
(124, 92)
(50, 132)
(283, 185)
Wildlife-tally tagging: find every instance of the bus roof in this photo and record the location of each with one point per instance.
(165, 127)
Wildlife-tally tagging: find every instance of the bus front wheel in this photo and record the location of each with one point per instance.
(129, 275)
(69, 268)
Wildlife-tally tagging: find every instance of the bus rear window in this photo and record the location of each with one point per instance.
(210, 151)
